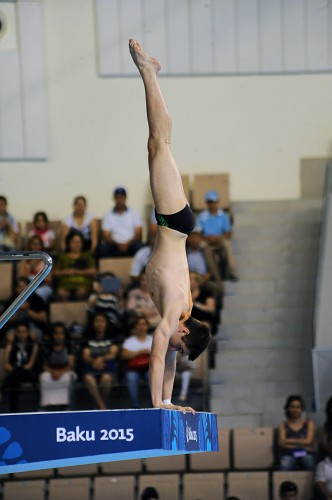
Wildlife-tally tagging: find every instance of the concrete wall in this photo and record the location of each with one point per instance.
(255, 127)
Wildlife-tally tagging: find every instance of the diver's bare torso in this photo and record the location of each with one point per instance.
(166, 272)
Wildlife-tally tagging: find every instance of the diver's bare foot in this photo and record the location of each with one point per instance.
(141, 59)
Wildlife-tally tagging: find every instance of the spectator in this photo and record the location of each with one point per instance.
(99, 361)
(140, 302)
(121, 228)
(200, 258)
(184, 370)
(327, 429)
(33, 311)
(150, 493)
(20, 363)
(323, 475)
(9, 230)
(58, 376)
(136, 352)
(141, 258)
(296, 437)
(106, 298)
(42, 229)
(288, 491)
(216, 229)
(31, 267)
(74, 270)
(204, 302)
(83, 222)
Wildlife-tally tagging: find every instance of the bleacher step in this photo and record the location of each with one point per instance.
(298, 315)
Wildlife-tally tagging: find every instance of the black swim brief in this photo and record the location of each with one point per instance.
(183, 221)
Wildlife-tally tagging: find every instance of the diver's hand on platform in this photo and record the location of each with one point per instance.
(183, 409)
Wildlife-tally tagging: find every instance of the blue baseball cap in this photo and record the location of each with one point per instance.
(212, 195)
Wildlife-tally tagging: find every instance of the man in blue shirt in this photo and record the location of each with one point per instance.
(216, 229)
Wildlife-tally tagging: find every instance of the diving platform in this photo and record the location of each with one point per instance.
(43, 440)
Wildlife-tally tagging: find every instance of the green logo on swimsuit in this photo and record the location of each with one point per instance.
(162, 221)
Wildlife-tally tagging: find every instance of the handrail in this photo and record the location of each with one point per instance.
(31, 287)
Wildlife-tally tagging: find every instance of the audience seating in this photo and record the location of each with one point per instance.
(186, 186)
(214, 460)
(166, 464)
(68, 312)
(6, 281)
(303, 480)
(253, 448)
(119, 266)
(248, 485)
(122, 467)
(67, 489)
(167, 485)
(78, 470)
(204, 486)
(29, 490)
(203, 183)
(47, 473)
(121, 487)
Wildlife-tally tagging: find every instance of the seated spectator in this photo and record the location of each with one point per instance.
(57, 377)
(296, 437)
(106, 298)
(201, 259)
(74, 270)
(150, 493)
(20, 362)
(33, 311)
(323, 475)
(121, 228)
(99, 361)
(42, 229)
(140, 302)
(140, 259)
(184, 370)
(288, 491)
(216, 229)
(9, 230)
(83, 222)
(204, 302)
(136, 352)
(327, 429)
(31, 267)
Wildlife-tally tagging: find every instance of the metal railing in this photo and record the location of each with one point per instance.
(31, 287)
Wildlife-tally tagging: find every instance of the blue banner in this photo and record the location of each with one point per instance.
(44, 440)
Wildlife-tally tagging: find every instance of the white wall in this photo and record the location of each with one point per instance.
(255, 127)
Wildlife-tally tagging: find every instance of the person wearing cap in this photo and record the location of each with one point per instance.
(121, 228)
(167, 274)
(288, 491)
(216, 229)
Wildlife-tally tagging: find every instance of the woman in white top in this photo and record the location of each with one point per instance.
(80, 221)
(136, 352)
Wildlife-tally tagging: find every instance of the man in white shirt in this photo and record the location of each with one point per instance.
(323, 475)
(121, 228)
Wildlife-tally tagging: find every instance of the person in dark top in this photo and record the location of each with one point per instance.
(58, 375)
(204, 302)
(99, 361)
(20, 363)
(33, 311)
(296, 437)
